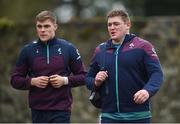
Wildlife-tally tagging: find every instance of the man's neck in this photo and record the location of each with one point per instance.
(118, 41)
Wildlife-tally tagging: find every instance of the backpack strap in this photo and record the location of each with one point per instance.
(103, 68)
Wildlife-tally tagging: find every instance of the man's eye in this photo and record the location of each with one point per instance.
(116, 24)
(46, 26)
(109, 24)
(39, 26)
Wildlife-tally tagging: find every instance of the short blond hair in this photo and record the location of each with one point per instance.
(44, 15)
(119, 12)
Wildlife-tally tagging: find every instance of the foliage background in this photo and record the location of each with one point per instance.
(160, 27)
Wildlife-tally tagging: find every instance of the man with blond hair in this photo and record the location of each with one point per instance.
(126, 71)
(49, 67)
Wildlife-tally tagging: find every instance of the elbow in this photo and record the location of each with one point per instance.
(89, 82)
(14, 84)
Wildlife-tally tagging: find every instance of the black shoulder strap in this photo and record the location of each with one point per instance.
(103, 68)
(103, 57)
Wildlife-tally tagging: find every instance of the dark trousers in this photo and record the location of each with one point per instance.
(107, 120)
(43, 116)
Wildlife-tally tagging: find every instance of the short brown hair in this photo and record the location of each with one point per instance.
(118, 12)
(44, 15)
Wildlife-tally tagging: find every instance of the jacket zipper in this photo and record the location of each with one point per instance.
(117, 91)
(47, 50)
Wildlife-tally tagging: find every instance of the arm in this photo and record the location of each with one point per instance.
(95, 77)
(154, 71)
(90, 77)
(156, 77)
(19, 79)
(153, 85)
(155, 74)
(95, 83)
(77, 67)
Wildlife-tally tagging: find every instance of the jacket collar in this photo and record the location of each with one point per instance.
(127, 38)
(49, 42)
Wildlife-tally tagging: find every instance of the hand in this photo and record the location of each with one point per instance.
(56, 80)
(100, 77)
(141, 96)
(40, 82)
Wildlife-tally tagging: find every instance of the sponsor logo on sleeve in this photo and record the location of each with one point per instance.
(131, 45)
(77, 51)
(153, 52)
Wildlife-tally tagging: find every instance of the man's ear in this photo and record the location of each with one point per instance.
(55, 26)
(128, 25)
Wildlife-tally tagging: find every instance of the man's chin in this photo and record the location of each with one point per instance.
(114, 38)
(44, 40)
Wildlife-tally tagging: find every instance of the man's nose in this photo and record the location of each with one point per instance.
(42, 28)
(112, 26)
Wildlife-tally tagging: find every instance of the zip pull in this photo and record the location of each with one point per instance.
(117, 48)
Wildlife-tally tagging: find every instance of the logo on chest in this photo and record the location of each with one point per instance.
(59, 51)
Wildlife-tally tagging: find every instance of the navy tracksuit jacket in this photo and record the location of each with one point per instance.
(58, 56)
(132, 66)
